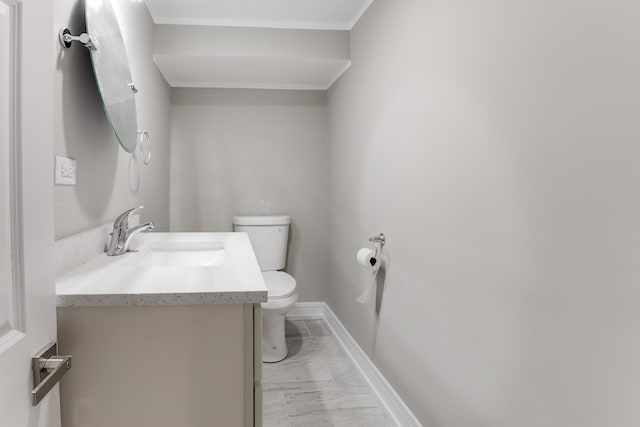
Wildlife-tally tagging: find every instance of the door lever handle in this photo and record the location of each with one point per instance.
(48, 367)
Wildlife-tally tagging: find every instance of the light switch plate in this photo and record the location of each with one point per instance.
(65, 173)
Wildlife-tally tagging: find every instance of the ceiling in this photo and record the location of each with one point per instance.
(262, 44)
(298, 14)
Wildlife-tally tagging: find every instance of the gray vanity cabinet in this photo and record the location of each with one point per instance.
(162, 365)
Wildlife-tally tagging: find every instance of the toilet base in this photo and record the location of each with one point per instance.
(274, 342)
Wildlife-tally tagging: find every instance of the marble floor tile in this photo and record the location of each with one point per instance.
(305, 404)
(296, 328)
(328, 348)
(288, 371)
(316, 384)
(362, 417)
(331, 400)
(274, 413)
(299, 386)
(308, 348)
(317, 327)
(301, 348)
(317, 419)
(345, 374)
(333, 408)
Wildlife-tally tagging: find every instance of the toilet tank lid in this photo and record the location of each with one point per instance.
(262, 220)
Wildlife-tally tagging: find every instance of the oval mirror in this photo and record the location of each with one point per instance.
(111, 69)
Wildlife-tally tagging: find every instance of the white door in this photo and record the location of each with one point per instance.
(27, 289)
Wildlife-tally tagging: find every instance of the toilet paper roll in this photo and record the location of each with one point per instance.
(366, 258)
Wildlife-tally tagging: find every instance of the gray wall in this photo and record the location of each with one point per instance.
(248, 152)
(496, 145)
(109, 179)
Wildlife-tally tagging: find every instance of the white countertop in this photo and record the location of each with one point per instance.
(129, 279)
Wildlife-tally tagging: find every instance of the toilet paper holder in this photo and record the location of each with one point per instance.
(379, 241)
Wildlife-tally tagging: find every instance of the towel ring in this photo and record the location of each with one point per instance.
(145, 155)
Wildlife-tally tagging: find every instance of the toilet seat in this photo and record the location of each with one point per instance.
(279, 284)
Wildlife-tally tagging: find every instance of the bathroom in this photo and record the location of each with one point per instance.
(492, 143)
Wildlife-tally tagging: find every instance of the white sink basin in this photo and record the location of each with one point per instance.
(183, 253)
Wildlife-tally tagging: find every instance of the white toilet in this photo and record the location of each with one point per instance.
(269, 236)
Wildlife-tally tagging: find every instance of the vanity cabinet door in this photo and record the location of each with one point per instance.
(161, 366)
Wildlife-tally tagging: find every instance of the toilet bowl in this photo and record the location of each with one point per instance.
(269, 238)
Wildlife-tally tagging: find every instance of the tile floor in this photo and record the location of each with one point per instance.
(316, 385)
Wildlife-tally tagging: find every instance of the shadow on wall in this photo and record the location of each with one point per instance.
(380, 282)
(292, 244)
(381, 277)
(85, 130)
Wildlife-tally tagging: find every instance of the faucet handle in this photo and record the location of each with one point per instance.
(123, 218)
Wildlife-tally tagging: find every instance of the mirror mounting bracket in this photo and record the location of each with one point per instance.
(66, 38)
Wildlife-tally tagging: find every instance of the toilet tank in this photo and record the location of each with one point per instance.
(268, 236)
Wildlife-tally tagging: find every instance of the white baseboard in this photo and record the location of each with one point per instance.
(390, 401)
(307, 310)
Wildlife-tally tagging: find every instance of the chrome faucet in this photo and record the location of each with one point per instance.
(122, 234)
